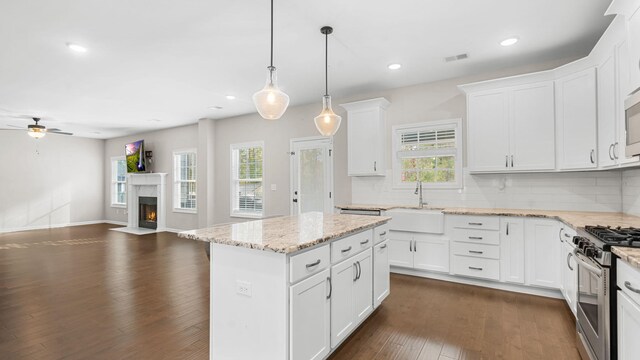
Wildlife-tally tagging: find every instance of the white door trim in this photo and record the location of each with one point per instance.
(310, 140)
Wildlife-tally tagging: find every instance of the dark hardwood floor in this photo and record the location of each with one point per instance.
(89, 293)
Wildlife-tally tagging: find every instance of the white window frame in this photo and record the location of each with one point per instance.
(177, 181)
(397, 130)
(233, 189)
(115, 182)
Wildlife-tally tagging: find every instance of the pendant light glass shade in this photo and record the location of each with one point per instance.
(327, 122)
(271, 102)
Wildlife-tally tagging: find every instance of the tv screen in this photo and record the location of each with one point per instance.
(135, 157)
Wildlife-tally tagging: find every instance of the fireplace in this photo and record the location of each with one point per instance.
(148, 212)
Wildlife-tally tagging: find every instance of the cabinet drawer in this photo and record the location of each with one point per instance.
(309, 263)
(475, 222)
(381, 233)
(476, 250)
(476, 267)
(630, 276)
(476, 236)
(351, 245)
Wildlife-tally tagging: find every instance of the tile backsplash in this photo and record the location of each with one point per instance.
(579, 191)
(631, 191)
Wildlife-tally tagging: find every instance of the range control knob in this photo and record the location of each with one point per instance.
(590, 251)
(576, 239)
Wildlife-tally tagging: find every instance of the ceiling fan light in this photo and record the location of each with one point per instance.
(271, 102)
(327, 122)
(36, 133)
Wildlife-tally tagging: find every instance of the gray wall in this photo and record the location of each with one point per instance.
(163, 143)
(53, 181)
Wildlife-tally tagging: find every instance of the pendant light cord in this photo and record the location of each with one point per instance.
(326, 65)
(271, 33)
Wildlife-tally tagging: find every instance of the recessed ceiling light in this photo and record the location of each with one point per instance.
(394, 66)
(510, 41)
(77, 48)
(230, 97)
(216, 107)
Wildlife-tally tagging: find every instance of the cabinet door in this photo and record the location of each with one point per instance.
(628, 328)
(542, 252)
(380, 273)
(532, 127)
(366, 144)
(310, 318)
(512, 249)
(363, 286)
(569, 272)
(488, 131)
(633, 43)
(607, 120)
(576, 120)
(342, 310)
(400, 249)
(431, 252)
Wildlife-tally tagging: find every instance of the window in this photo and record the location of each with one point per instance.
(118, 181)
(247, 192)
(184, 175)
(430, 152)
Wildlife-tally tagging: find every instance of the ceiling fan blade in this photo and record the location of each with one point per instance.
(16, 126)
(60, 132)
(11, 129)
(54, 130)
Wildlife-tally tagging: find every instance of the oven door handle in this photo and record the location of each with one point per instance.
(595, 270)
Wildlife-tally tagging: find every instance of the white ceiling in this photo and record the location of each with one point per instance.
(157, 63)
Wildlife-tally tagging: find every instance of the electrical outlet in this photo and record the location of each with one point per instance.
(243, 288)
(273, 187)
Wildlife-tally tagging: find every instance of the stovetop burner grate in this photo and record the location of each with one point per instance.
(616, 236)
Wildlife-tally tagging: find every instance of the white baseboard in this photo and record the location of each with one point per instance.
(523, 289)
(112, 222)
(51, 226)
(173, 230)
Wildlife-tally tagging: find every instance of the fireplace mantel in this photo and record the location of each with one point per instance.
(146, 184)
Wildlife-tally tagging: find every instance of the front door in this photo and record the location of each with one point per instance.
(311, 175)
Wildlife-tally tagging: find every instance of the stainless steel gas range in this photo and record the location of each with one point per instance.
(596, 305)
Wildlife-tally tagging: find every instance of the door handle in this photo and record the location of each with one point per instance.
(355, 265)
(475, 268)
(359, 270)
(330, 287)
(560, 234)
(615, 150)
(511, 160)
(475, 237)
(383, 246)
(415, 246)
(375, 166)
(628, 286)
(506, 161)
(507, 228)
(317, 262)
(475, 252)
(346, 250)
(610, 154)
(591, 156)
(364, 242)
(569, 255)
(383, 233)
(475, 223)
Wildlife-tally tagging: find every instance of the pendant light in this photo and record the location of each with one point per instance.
(327, 122)
(271, 102)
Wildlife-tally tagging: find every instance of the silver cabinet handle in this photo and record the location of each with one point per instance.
(610, 154)
(475, 223)
(628, 286)
(355, 265)
(415, 246)
(506, 161)
(411, 245)
(511, 160)
(364, 242)
(330, 287)
(475, 268)
(560, 234)
(359, 270)
(383, 233)
(375, 166)
(615, 150)
(317, 262)
(383, 246)
(593, 161)
(475, 237)
(567, 235)
(346, 250)
(569, 255)
(475, 252)
(507, 228)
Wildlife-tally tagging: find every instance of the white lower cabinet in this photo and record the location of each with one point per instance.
(419, 251)
(310, 318)
(352, 294)
(380, 273)
(569, 284)
(542, 253)
(512, 249)
(628, 327)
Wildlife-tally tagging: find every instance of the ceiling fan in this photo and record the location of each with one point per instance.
(37, 131)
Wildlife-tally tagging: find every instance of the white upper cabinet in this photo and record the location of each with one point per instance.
(366, 137)
(607, 113)
(633, 43)
(576, 120)
(511, 128)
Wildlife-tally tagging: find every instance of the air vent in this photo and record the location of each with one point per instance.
(456, 57)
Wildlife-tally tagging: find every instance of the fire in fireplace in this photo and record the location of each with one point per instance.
(148, 212)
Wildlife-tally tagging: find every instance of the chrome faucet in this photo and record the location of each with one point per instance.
(419, 192)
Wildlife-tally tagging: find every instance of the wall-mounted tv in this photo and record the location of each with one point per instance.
(136, 160)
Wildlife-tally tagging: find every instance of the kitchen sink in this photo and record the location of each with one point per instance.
(416, 220)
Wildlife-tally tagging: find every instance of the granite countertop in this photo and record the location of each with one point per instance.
(287, 234)
(630, 255)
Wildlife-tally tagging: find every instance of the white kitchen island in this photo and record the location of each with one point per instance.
(294, 287)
